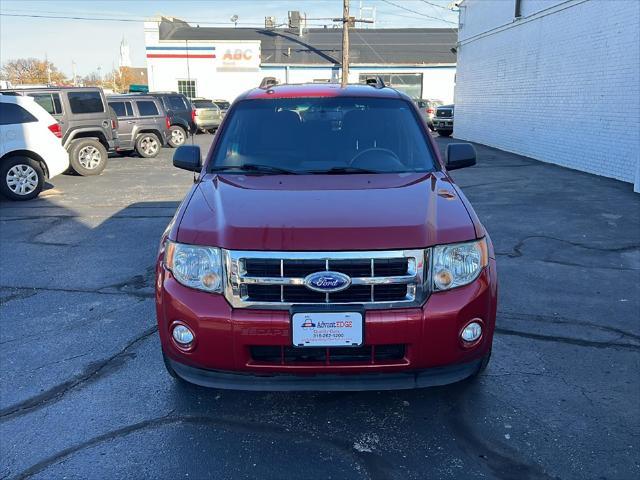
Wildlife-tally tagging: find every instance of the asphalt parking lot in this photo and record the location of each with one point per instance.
(84, 393)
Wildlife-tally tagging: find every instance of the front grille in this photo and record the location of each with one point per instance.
(277, 279)
(301, 294)
(444, 113)
(282, 355)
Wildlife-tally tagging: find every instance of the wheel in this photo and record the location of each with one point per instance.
(87, 156)
(212, 131)
(178, 136)
(444, 133)
(21, 178)
(148, 145)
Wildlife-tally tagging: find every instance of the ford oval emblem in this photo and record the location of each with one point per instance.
(327, 282)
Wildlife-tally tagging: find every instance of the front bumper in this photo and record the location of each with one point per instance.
(322, 382)
(225, 339)
(443, 124)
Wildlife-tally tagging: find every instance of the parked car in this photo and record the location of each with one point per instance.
(223, 105)
(428, 109)
(208, 114)
(325, 246)
(181, 115)
(88, 127)
(143, 125)
(30, 148)
(443, 121)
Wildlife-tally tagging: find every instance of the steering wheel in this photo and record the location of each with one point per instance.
(358, 155)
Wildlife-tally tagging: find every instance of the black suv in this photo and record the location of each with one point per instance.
(181, 116)
(87, 123)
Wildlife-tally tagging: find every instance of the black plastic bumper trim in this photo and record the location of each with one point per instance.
(325, 382)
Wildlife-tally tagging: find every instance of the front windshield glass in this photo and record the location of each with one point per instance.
(316, 135)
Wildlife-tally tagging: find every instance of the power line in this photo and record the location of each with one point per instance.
(111, 19)
(435, 5)
(418, 13)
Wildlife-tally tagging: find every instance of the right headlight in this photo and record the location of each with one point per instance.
(195, 266)
(458, 264)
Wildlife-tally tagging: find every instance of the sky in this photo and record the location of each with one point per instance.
(94, 44)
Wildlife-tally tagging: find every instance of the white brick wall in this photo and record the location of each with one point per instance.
(559, 85)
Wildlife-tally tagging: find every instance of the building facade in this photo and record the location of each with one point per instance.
(555, 80)
(221, 63)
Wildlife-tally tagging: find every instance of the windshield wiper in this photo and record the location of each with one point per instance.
(338, 170)
(253, 167)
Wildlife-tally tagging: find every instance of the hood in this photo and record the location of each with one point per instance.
(325, 212)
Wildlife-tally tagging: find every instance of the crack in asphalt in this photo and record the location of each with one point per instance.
(372, 466)
(568, 340)
(99, 291)
(87, 319)
(92, 372)
(517, 252)
(559, 320)
(15, 296)
(137, 282)
(500, 182)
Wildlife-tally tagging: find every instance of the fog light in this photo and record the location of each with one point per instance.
(471, 332)
(182, 335)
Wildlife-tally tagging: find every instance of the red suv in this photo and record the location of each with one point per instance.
(324, 246)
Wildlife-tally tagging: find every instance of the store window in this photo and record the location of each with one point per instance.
(187, 88)
(409, 83)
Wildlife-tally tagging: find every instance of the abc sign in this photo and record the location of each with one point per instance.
(237, 55)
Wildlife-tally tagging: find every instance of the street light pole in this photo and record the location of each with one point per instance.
(345, 43)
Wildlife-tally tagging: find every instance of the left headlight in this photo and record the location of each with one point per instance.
(458, 264)
(195, 266)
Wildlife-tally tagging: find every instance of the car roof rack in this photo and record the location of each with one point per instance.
(268, 82)
(375, 82)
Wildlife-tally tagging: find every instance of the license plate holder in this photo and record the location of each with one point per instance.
(327, 329)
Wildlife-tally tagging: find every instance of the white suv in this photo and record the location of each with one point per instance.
(30, 148)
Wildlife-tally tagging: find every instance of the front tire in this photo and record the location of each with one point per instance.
(148, 145)
(177, 137)
(87, 156)
(21, 178)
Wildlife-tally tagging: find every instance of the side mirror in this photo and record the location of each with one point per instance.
(460, 155)
(187, 157)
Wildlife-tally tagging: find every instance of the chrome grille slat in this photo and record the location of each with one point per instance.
(380, 291)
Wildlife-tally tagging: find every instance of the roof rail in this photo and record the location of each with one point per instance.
(375, 82)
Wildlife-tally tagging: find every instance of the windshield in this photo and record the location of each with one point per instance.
(202, 103)
(223, 105)
(323, 135)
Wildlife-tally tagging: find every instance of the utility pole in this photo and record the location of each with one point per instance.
(345, 43)
(347, 22)
(48, 67)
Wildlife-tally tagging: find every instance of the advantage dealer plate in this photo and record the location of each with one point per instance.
(327, 329)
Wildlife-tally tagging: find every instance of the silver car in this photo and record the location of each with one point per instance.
(428, 108)
(208, 115)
